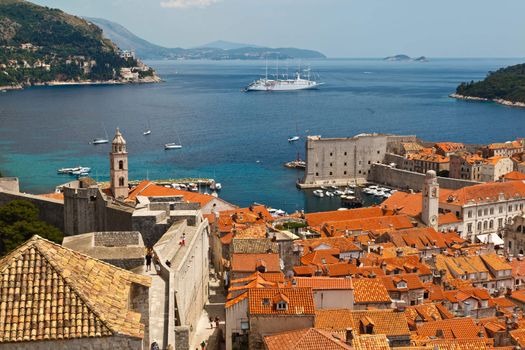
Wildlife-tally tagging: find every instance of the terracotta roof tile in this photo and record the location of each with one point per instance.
(304, 339)
(370, 290)
(253, 246)
(457, 344)
(486, 192)
(83, 297)
(262, 301)
(495, 262)
(324, 283)
(455, 328)
(386, 322)
(249, 262)
(371, 342)
(391, 282)
(448, 147)
(514, 176)
(338, 228)
(343, 244)
(320, 257)
(150, 189)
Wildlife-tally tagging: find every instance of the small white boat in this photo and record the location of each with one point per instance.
(68, 170)
(373, 187)
(172, 145)
(318, 193)
(338, 193)
(216, 186)
(349, 191)
(99, 141)
(334, 187)
(379, 193)
(146, 132)
(183, 187)
(324, 187)
(386, 195)
(293, 138)
(329, 194)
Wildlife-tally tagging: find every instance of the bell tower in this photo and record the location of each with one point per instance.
(429, 214)
(118, 165)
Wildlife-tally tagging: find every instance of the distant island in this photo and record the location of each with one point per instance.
(505, 86)
(43, 46)
(218, 50)
(405, 58)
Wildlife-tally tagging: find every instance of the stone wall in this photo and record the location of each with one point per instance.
(182, 338)
(118, 219)
(112, 342)
(50, 210)
(126, 264)
(116, 239)
(139, 302)
(10, 184)
(402, 179)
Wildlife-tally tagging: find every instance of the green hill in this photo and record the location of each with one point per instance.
(39, 45)
(504, 84)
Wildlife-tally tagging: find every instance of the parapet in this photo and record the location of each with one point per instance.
(10, 184)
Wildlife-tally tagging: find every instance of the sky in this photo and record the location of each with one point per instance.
(337, 28)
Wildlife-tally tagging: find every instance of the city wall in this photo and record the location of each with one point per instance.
(50, 210)
(402, 179)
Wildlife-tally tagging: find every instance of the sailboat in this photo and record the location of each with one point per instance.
(100, 141)
(173, 145)
(294, 138)
(147, 131)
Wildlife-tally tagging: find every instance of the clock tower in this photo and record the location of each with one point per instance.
(430, 197)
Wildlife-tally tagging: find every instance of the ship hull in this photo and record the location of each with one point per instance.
(282, 87)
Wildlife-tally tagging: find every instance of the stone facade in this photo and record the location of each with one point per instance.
(495, 168)
(118, 167)
(10, 184)
(340, 161)
(514, 236)
(430, 198)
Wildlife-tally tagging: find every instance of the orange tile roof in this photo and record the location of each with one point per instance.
(514, 176)
(150, 189)
(249, 262)
(496, 262)
(324, 283)
(236, 300)
(486, 192)
(448, 218)
(317, 219)
(518, 267)
(305, 270)
(346, 269)
(335, 228)
(371, 342)
(369, 291)
(83, 297)
(262, 301)
(519, 336)
(54, 195)
(501, 302)
(456, 344)
(320, 257)
(425, 157)
(388, 322)
(410, 203)
(455, 328)
(256, 214)
(505, 145)
(518, 295)
(420, 238)
(448, 147)
(304, 339)
(426, 312)
(343, 244)
(412, 281)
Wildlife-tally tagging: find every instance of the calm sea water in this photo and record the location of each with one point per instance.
(241, 138)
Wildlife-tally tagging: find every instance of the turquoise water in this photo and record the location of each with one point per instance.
(241, 138)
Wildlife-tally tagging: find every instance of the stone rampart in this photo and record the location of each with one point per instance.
(402, 179)
(50, 210)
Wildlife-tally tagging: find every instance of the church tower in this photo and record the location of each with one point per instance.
(429, 214)
(118, 164)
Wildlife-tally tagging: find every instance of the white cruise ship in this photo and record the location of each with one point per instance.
(299, 83)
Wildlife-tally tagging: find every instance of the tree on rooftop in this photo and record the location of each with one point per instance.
(19, 221)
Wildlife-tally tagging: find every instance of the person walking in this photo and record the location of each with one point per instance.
(149, 258)
(217, 321)
(203, 345)
(211, 322)
(155, 345)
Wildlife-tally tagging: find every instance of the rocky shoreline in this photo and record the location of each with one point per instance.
(499, 101)
(146, 80)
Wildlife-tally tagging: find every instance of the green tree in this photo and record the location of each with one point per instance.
(19, 222)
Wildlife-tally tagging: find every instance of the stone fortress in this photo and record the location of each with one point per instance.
(116, 224)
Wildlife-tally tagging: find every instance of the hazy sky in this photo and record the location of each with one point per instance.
(338, 28)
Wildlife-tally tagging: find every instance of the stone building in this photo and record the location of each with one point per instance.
(122, 249)
(466, 166)
(514, 235)
(55, 298)
(446, 149)
(502, 149)
(341, 161)
(430, 200)
(495, 167)
(423, 162)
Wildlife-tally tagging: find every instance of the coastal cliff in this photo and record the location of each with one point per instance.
(43, 46)
(505, 86)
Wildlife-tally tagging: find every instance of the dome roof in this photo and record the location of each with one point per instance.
(118, 139)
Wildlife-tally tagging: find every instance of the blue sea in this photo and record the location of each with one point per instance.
(238, 138)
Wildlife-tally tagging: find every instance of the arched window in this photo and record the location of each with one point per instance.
(519, 229)
(120, 148)
(485, 224)
(491, 224)
(479, 226)
(121, 164)
(121, 181)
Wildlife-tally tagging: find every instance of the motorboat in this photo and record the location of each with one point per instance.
(334, 187)
(324, 187)
(146, 132)
(99, 141)
(68, 170)
(338, 193)
(216, 186)
(349, 191)
(329, 194)
(172, 145)
(293, 138)
(318, 193)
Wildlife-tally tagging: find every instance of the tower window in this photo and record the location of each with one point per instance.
(121, 164)
(121, 182)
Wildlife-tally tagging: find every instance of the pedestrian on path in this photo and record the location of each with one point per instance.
(203, 345)
(149, 257)
(211, 322)
(217, 321)
(155, 345)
